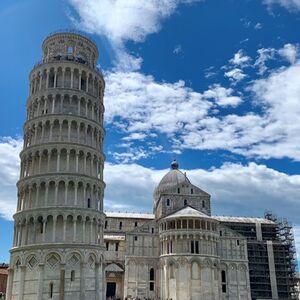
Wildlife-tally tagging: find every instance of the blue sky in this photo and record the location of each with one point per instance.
(214, 84)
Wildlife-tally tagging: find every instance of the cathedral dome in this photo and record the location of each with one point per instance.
(172, 179)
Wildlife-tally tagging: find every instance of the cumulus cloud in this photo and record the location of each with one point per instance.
(236, 189)
(136, 103)
(222, 96)
(9, 175)
(240, 59)
(121, 21)
(289, 4)
(147, 107)
(235, 75)
(289, 52)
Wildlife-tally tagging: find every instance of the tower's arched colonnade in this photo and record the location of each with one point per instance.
(58, 240)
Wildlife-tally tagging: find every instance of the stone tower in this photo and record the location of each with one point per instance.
(58, 235)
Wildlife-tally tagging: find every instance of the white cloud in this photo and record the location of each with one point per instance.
(9, 175)
(240, 59)
(148, 107)
(289, 4)
(121, 21)
(194, 120)
(235, 189)
(222, 96)
(264, 54)
(235, 75)
(289, 52)
(297, 240)
(135, 136)
(125, 20)
(145, 104)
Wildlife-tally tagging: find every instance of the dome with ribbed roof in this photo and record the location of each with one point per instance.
(172, 179)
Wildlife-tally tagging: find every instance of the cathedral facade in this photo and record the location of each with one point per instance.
(66, 248)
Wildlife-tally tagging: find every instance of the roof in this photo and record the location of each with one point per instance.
(243, 220)
(129, 215)
(172, 179)
(187, 212)
(113, 268)
(114, 237)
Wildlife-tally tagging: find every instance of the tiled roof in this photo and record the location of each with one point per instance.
(243, 220)
(129, 215)
(187, 212)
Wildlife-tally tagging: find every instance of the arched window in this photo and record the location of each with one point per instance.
(151, 283)
(223, 281)
(168, 202)
(89, 203)
(51, 290)
(72, 275)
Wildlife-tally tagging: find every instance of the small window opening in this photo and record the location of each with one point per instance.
(192, 247)
(238, 242)
(73, 275)
(221, 233)
(41, 227)
(151, 286)
(178, 191)
(120, 226)
(151, 274)
(89, 203)
(223, 280)
(135, 224)
(152, 279)
(152, 230)
(203, 204)
(51, 290)
(168, 202)
(135, 238)
(107, 246)
(192, 191)
(117, 247)
(105, 225)
(197, 247)
(185, 202)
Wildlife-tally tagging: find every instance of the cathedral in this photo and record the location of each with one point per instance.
(66, 248)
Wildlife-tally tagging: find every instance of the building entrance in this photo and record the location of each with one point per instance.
(111, 289)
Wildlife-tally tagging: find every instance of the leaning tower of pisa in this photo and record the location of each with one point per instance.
(58, 235)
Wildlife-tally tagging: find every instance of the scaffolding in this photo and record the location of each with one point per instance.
(280, 233)
(285, 258)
